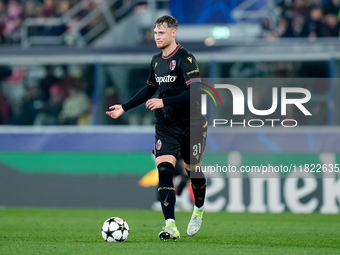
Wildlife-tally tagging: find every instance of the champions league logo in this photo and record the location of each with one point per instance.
(239, 105)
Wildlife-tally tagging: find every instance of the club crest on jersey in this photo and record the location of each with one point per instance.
(172, 65)
(158, 144)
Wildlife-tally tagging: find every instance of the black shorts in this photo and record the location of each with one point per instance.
(170, 140)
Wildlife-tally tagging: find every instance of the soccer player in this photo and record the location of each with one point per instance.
(174, 73)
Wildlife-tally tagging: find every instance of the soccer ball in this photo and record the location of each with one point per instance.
(115, 229)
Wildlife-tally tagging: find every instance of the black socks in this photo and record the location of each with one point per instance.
(166, 189)
(198, 184)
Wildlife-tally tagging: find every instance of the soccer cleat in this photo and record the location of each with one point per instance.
(169, 231)
(195, 222)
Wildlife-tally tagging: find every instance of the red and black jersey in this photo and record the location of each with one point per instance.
(172, 75)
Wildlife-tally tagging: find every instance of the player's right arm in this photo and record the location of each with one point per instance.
(144, 94)
(116, 111)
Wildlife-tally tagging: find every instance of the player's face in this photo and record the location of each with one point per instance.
(164, 36)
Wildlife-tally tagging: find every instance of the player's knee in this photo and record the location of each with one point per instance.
(165, 173)
(195, 174)
(193, 168)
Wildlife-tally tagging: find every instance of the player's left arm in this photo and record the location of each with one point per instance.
(191, 74)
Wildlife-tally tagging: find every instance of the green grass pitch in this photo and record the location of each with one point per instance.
(77, 231)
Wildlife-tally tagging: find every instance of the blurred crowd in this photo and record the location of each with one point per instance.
(63, 99)
(60, 97)
(294, 18)
(14, 12)
(304, 18)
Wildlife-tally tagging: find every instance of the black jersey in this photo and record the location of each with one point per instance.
(172, 75)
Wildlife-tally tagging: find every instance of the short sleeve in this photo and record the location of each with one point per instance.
(151, 77)
(190, 69)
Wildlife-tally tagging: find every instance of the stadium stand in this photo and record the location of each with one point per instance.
(243, 38)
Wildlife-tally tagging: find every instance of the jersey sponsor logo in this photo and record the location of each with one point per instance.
(156, 64)
(158, 144)
(193, 71)
(190, 59)
(172, 65)
(166, 79)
